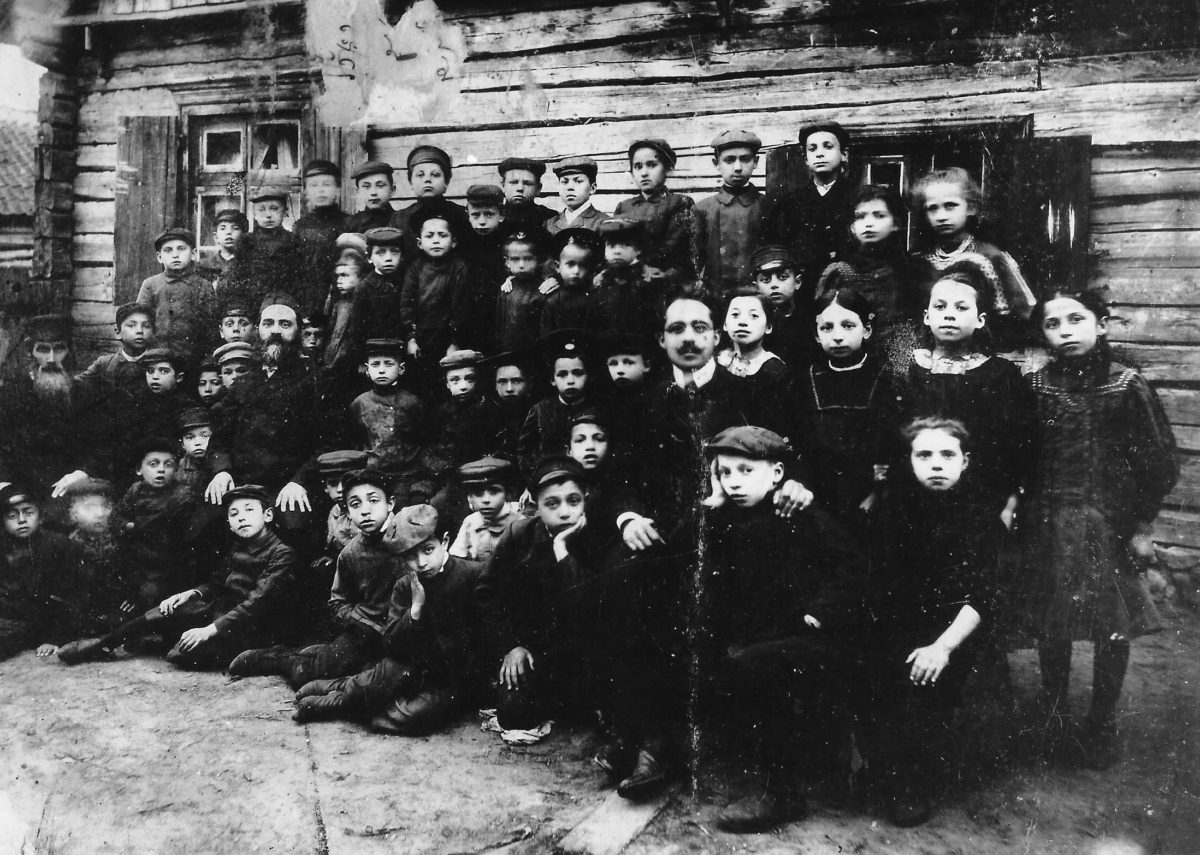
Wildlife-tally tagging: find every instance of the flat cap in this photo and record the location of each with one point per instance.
(247, 491)
(314, 318)
(232, 215)
(438, 209)
(344, 460)
(13, 494)
(374, 477)
(235, 350)
(409, 527)
(372, 167)
(268, 192)
(554, 470)
(659, 145)
(384, 347)
(566, 342)
(583, 238)
(616, 342)
(90, 487)
(576, 164)
(156, 443)
(460, 359)
(485, 194)
(155, 355)
(617, 229)
(842, 135)
(322, 167)
(730, 138)
(522, 359)
(174, 233)
(351, 240)
(194, 417)
(235, 308)
(428, 154)
(279, 298)
(537, 167)
(588, 416)
(126, 309)
(771, 257)
(487, 470)
(751, 441)
(384, 236)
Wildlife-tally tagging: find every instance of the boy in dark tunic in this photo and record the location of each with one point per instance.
(575, 254)
(120, 369)
(183, 302)
(375, 309)
(435, 297)
(512, 384)
(317, 231)
(622, 299)
(546, 425)
(521, 180)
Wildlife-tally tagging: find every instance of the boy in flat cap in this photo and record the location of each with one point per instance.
(814, 222)
(375, 309)
(390, 422)
(318, 229)
(576, 184)
(429, 672)
(429, 174)
(374, 187)
(237, 321)
(575, 255)
(194, 429)
(235, 360)
(164, 397)
(776, 274)
(729, 223)
(272, 251)
(667, 217)
(230, 228)
(435, 297)
(120, 369)
(484, 254)
(521, 180)
(241, 606)
(183, 302)
(489, 483)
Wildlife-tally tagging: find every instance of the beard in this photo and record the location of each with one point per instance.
(276, 351)
(52, 386)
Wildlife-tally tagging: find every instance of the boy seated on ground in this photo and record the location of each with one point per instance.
(488, 483)
(428, 673)
(240, 607)
(358, 600)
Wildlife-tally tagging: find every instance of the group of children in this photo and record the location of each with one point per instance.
(885, 503)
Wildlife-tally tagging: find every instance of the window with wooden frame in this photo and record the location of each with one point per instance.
(1037, 190)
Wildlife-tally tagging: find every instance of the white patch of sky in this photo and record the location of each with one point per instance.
(20, 90)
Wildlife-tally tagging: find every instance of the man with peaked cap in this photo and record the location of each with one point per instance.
(729, 223)
(317, 231)
(429, 171)
(576, 184)
(521, 180)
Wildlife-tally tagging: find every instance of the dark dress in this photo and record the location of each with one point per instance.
(1105, 461)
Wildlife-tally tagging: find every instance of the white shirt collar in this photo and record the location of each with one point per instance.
(701, 376)
(571, 216)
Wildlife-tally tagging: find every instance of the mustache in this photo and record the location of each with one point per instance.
(688, 349)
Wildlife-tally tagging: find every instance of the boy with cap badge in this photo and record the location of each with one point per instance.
(576, 184)
(243, 603)
(575, 257)
(435, 297)
(429, 174)
(488, 483)
(120, 369)
(546, 425)
(429, 671)
(776, 274)
(521, 180)
(729, 223)
(182, 301)
(373, 187)
(667, 217)
(318, 229)
(519, 303)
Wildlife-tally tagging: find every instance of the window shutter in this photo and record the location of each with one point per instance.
(147, 197)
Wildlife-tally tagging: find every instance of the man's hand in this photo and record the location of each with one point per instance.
(791, 498)
(65, 483)
(548, 287)
(220, 484)
(418, 596)
(45, 650)
(293, 497)
(515, 666)
(171, 603)
(639, 533)
(193, 638)
(928, 663)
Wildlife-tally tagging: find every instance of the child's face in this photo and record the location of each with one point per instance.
(236, 328)
(175, 255)
(347, 279)
(937, 459)
(777, 285)
(617, 254)
(873, 222)
(312, 339)
(135, 332)
(588, 445)
(333, 488)
(425, 558)
(268, 214)
(195, 441)
(736, 165)
(570, 378)
(648, 170)
(231, 371)
(228, 234)
(746, 322)
(520, 259)
(823, 154)
(487, 499)
(368, 506)
(627, 369)
(460, 381)
(247, 517)
(575, 189)
(1071, 328)
(321, 190)
(559, 506)
(428, 180)
(21, 521)
(511, 382)
(947, 209)
(385, 259)
(374, 191)
(484, 218)
(520, 186)
(953, 313)
(746, 481)
(158, 469)
(841, 332)
(384, 370)
(209, 385)
(575, 266)
(436, 239)
(91, 512)
(161, 378)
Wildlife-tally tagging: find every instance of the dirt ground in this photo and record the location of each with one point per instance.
(133, 756)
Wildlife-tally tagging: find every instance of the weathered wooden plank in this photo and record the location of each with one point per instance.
(93, 248)
(1172, 286)
(612, 826)
(172, 14)
(1161, 363)
(1148, 176)
(1155, 324)
(292, 69)
(93, 293)
(1152, 214)
(212, 51)
(1178, 528)
(1119, 68)
(90, 277)
(94, 186)
(95, 217)
(1186, 495)
(1168, 249)
(96, 314)
(1181, 405)
(98, 157)
(1187, 437)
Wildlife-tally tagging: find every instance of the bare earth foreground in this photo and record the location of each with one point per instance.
(133, 756)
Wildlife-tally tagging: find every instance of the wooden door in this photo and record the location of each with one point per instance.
(148, 197)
